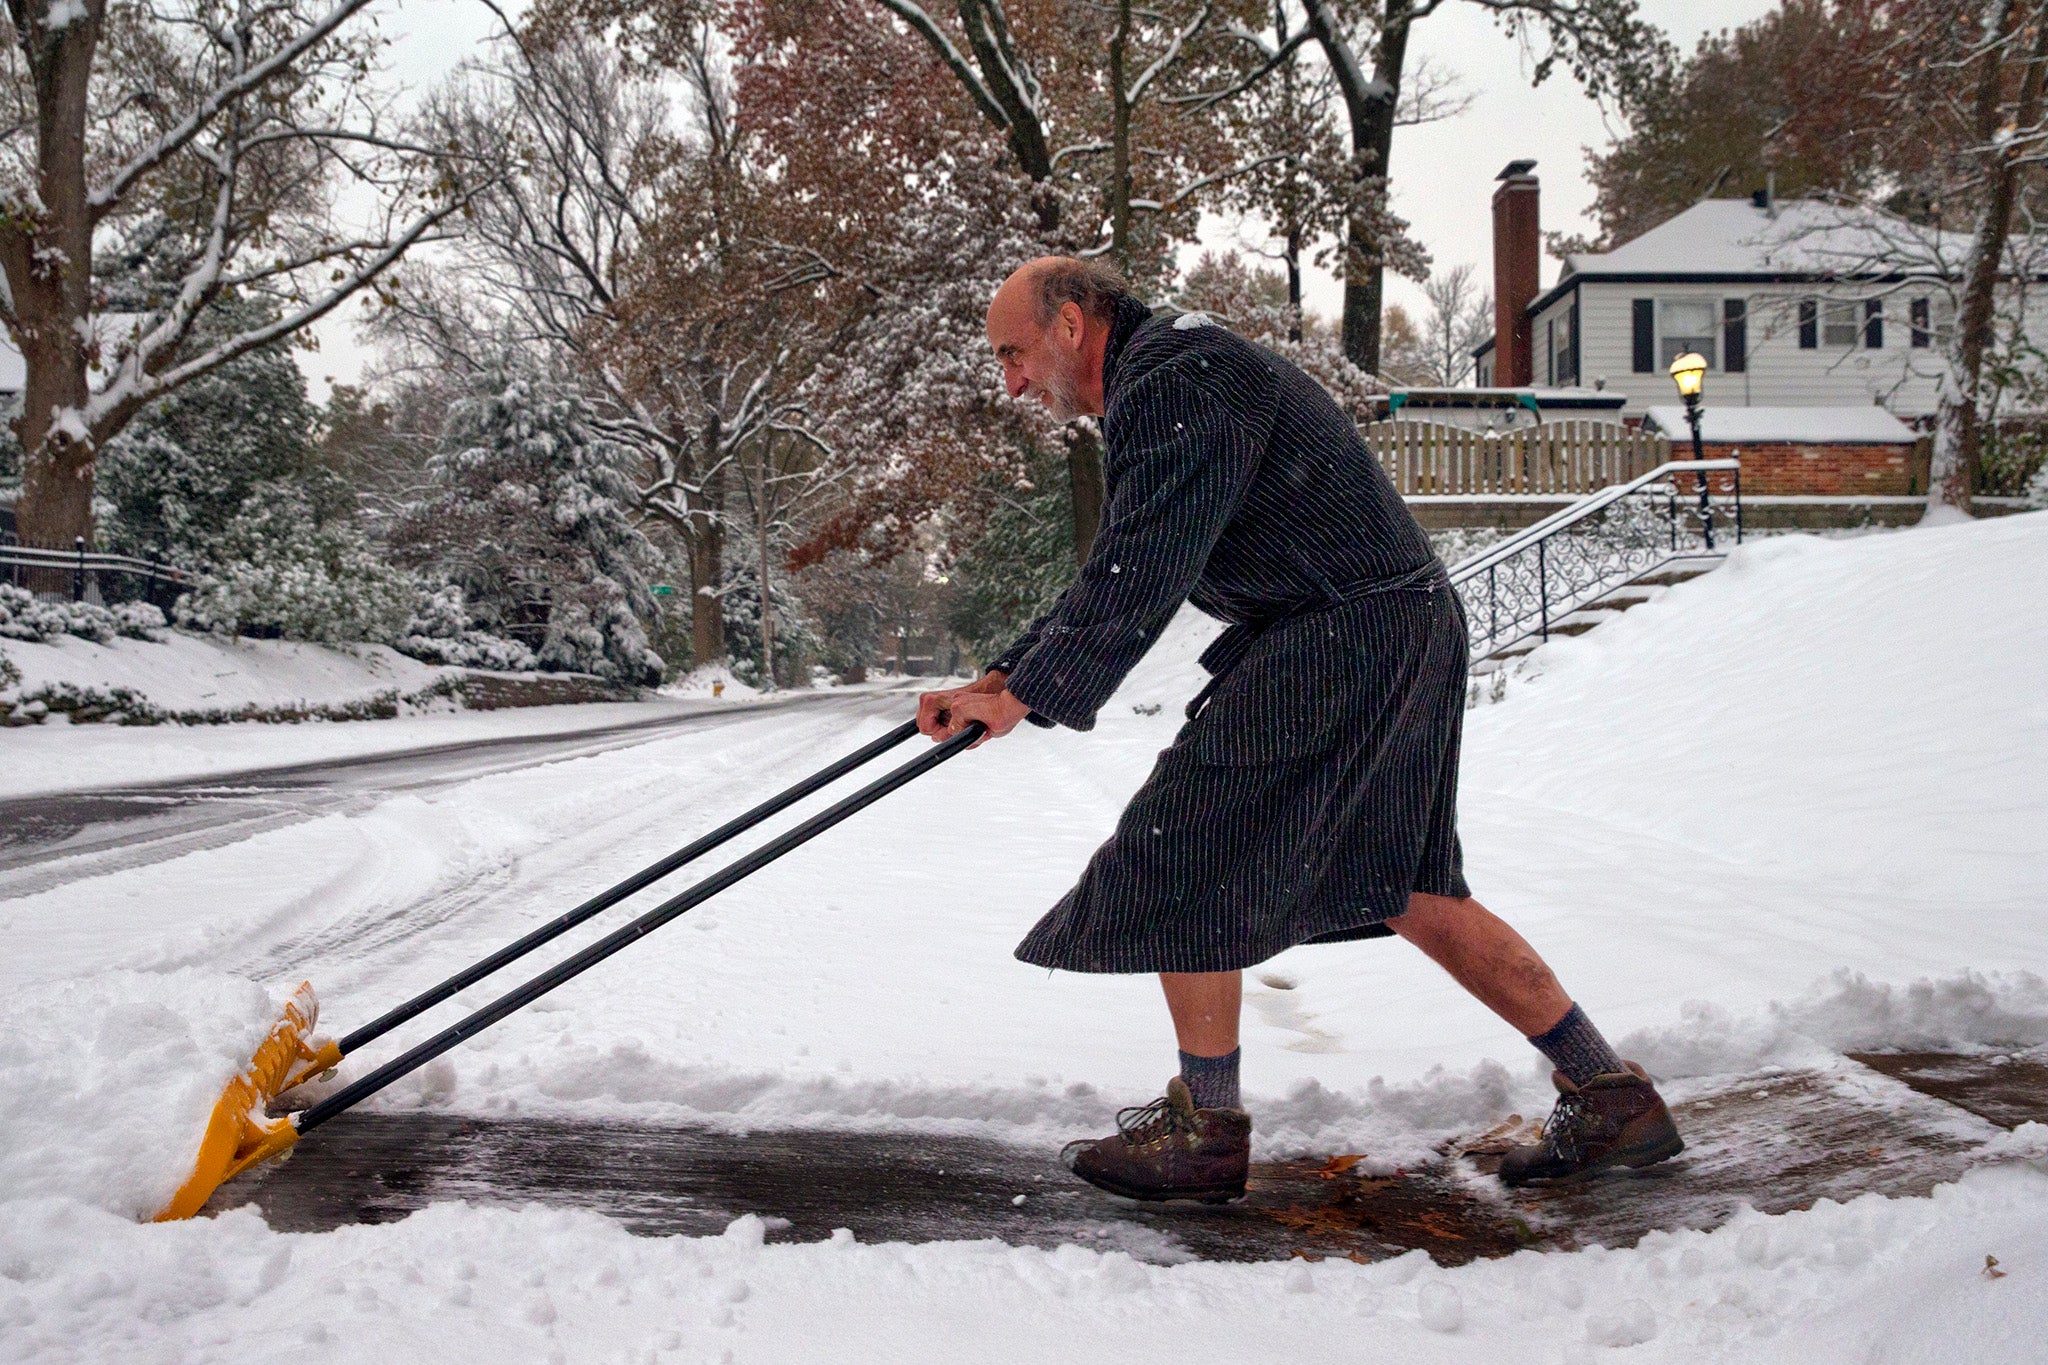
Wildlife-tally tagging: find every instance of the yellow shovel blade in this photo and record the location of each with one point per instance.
(239, 1133)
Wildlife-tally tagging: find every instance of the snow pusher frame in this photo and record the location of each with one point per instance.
(240, 1134)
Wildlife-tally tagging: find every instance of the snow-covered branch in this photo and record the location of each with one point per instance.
(245, 81)
(956, 61)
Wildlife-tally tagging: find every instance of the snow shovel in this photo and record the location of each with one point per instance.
(240, 1135)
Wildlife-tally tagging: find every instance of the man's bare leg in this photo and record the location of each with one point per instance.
(1484, 954)
(1205, 1007)
(1610, 1113)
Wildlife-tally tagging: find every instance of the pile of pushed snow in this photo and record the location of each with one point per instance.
(1872, 1279)
(107, 1081)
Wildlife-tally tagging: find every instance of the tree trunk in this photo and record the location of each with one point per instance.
(1084, 477)
(1952, 469)
(1294, 284)
(48, 262)
(707, 573)
(1120, 142)
(767, 612)
(1370, 107)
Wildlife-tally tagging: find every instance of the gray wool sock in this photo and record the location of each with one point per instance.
(1211, 1080)
(1576, 1048)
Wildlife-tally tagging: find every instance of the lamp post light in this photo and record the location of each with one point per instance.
(1689, 372)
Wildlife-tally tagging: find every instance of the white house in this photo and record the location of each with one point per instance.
(1797, 304)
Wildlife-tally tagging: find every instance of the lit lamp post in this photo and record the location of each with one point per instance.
(1689, 372)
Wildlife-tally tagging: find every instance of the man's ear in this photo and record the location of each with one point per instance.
(1072, 325)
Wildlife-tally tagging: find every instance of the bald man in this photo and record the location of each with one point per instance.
(1312, 795)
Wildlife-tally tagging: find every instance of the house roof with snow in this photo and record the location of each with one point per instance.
(1866, 424)
(1792, 240)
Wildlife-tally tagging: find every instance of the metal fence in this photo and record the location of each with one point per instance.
(88, 576)
(1525, 585)
(1431, 459)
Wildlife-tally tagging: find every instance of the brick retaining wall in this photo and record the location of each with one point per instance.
(1821, 469)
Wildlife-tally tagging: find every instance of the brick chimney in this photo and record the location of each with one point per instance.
(1517, 264)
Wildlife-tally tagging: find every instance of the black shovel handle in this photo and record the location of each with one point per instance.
(647, 923)
(603, 901)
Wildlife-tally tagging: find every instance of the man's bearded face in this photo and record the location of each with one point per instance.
(1059, 384)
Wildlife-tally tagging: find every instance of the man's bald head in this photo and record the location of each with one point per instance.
(1049, 324)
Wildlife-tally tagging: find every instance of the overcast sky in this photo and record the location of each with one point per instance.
(1443, 173)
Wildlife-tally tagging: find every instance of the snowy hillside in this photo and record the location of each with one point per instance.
(1793, 808)
(185, 671)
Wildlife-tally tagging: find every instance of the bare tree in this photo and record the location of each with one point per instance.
(1602, 42)
(2003, 60)
(161, 159)
(1460, 317)
(633, 247)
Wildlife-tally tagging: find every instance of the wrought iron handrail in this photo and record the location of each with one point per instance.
(1524, 584)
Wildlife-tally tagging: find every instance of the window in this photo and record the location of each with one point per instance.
(1685, 325)
(1873, 324)
(1563, 365)
(1735, 335)
(1841, 322)
(1922, 324)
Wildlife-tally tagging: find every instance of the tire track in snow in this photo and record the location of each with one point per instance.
(608, 825)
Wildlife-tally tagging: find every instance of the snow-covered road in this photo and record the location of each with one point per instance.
(58, 836)
(1795, 808)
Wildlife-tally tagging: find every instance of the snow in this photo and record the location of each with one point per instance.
(1869, 1280)
(1733, 237)
(186, 671)
(1795, 807)
(1862, 424)
(55, 758)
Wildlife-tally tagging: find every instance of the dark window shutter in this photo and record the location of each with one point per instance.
(1922, 332)
(1734, 335)
(1873, 324)
(1809, 324)
(1644, 313)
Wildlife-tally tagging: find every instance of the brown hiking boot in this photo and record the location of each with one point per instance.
(1169, 1149)
(1612, 1120)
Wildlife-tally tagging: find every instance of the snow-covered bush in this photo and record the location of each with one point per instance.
(1462, 542)
(25, 617)
(138, 620)
(440, 632)
(282, 570)
(796, 642)
(2037, 490)
(527, 514)
(181, 473)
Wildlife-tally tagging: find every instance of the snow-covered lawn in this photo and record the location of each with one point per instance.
(1795, 807)
(187, 671)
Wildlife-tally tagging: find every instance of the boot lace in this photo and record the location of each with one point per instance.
(1566, 1125)
(1145, 1123)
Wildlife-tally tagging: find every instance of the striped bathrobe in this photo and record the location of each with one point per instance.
(1314, 786)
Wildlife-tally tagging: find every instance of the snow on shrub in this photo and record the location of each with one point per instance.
(23, 616)
(138, 620)
(440, 632)
(527, 511)
(2037, 489)
(284, 571)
